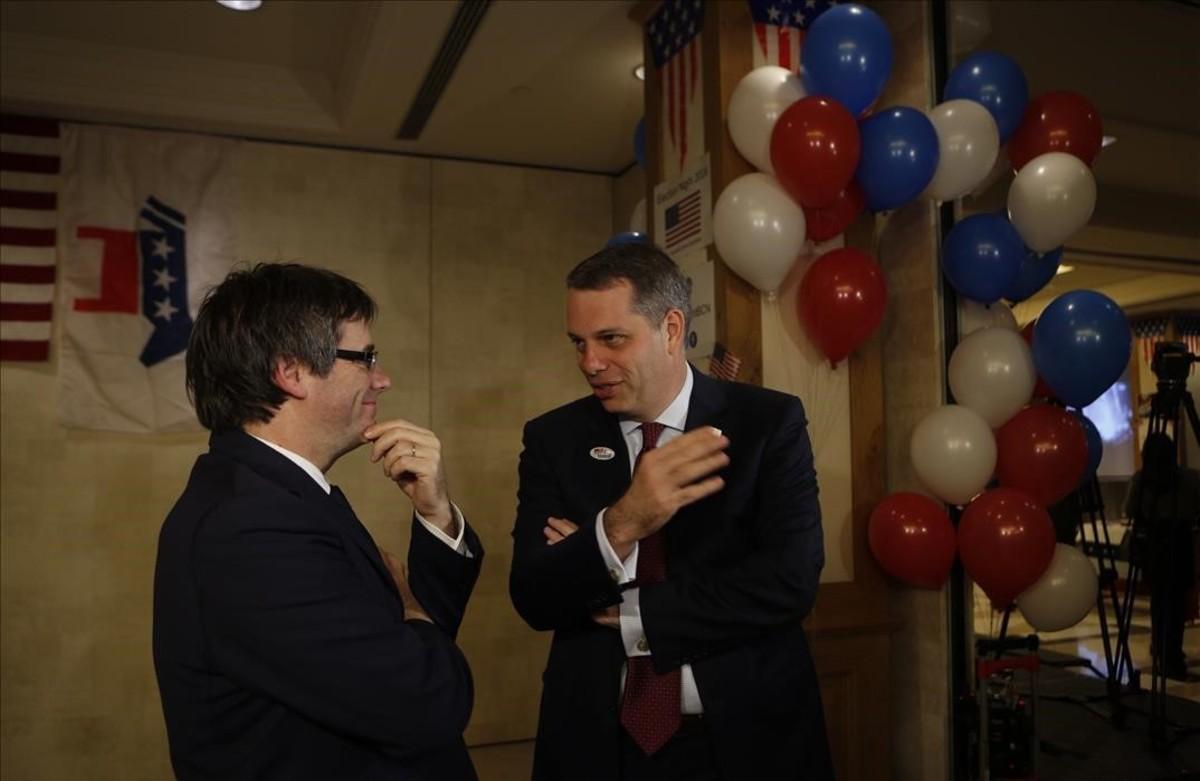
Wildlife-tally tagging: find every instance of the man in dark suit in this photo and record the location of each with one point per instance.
(286, 645)
(668, 532)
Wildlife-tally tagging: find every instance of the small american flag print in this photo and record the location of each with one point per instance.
(724, 364)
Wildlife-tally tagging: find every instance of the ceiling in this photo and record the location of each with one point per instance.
(540, 83)
(1137, 62)
(1134, 289)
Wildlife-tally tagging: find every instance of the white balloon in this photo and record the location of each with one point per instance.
(1052, 196)
(757, 101)
(992, 372)
(1064, 594)
(759, 230)
(953, 452)
(637, 220)
(968, 143)
(973, 315)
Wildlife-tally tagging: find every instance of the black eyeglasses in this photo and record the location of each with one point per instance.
(365, 357)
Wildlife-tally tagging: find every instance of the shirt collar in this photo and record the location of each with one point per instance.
(308, 466)
(675, 415)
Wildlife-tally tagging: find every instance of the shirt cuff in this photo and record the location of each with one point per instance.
(459, 543)
(633, 635)
(620, 570)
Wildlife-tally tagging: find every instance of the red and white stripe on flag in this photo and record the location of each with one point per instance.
(674, 35)
(777, 45)
(779, 28)
(724, 364)
(29, 180)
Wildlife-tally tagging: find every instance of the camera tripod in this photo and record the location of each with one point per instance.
(1171, 365)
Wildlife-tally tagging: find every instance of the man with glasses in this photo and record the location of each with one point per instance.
(287, 645)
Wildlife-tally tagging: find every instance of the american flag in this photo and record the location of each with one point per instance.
(673, 32)
(779, 27)
(1149, 332)
(682, 222)
(1188, 329)
(29, 168)
(724, 364)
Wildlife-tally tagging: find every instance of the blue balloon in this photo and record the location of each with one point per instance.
(639, 142)
(996, 81)
(899, 156)
(981, 256)
(628, 237)
(1094, 442)
(1035, 273)
(847, 56)
(1081, 346)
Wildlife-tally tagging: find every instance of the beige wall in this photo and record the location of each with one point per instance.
(628, 189)
(466, 262)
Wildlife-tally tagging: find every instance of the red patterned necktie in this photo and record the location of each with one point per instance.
(650, 711)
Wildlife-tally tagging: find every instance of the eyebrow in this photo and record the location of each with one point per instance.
(601, 333)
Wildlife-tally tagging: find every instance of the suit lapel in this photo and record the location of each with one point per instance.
(358, 534)
(707, 407)
(242, 447)
(603, 479)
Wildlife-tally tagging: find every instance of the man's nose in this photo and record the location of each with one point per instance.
(591, 360)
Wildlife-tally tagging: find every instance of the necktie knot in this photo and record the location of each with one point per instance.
(650, 434)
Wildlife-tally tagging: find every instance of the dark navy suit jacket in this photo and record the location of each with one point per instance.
(743, 566)
(280, 642)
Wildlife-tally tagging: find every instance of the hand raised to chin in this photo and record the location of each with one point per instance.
(412, 457)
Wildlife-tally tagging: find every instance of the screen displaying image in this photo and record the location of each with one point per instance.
(1113, 415)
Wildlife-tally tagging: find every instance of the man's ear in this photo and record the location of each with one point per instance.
(675, 325)
(291, 376)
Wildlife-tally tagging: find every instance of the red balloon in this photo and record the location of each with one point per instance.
(1041, 390)
(814, 150)
(912, 539)
(825, 222)
(841, 301)
(1006, 541)
(1056, 122)
(1042, 451)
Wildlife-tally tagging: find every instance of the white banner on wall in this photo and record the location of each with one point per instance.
(145, 228)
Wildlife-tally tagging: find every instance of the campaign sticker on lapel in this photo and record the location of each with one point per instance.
(602, 453)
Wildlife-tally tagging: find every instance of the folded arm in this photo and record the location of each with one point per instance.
(560, 585)
(288, 615)
(686, 618)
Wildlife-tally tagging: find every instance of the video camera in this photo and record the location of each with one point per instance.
(1171, 364)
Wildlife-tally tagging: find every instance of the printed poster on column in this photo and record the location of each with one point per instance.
(702, 327)
(683, 211)
(145, 229)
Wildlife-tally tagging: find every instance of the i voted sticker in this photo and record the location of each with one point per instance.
(602, 453)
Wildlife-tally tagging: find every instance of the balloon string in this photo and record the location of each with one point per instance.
(1003, 631)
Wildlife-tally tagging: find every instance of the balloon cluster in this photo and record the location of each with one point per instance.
(1005, 452)
(1006, 456)
(1052, 141)
(822, 158)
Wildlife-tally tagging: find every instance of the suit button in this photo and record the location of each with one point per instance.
(616, 576)
(643, 646)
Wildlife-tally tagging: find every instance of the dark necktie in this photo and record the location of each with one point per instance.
(650, 712)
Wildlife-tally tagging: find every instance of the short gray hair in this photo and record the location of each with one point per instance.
(658, 284)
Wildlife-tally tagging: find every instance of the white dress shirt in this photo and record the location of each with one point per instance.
(459, 544)
(673, 418)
